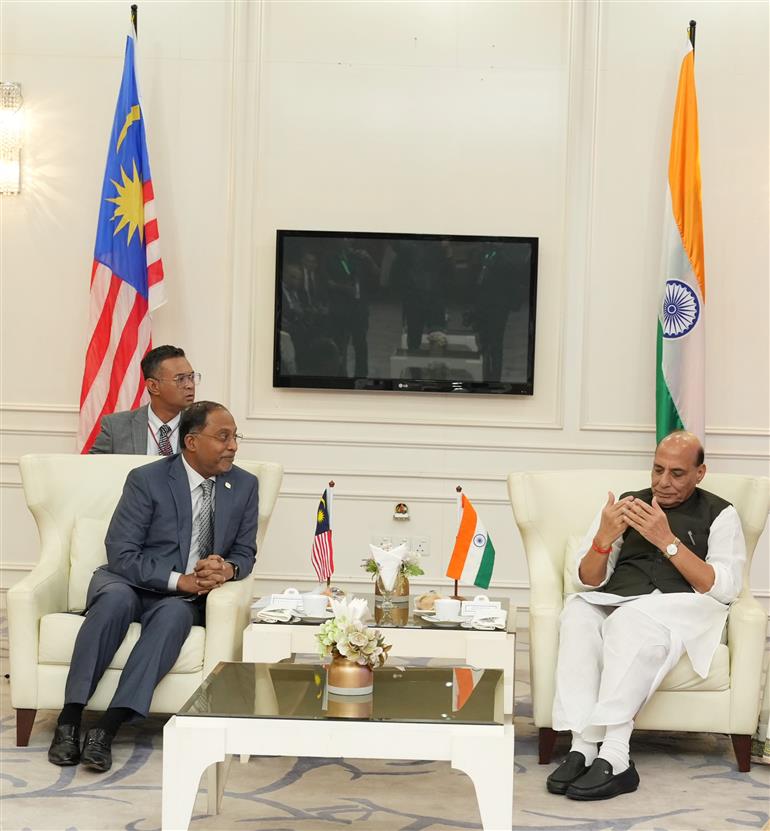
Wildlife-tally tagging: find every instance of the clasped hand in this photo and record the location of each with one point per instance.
(630, 512)
(649, 521)
(209, 573)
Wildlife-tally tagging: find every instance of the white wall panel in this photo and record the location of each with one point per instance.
(547, 119)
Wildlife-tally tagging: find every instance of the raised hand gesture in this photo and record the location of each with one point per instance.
(613, 522)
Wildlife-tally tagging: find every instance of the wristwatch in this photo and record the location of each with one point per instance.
(235, 568)
(672, 548)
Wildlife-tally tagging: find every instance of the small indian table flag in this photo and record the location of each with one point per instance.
(473, 557)
(322, 553)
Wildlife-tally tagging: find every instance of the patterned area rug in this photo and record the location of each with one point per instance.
(688, 781)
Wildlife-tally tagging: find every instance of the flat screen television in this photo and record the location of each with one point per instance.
(409, 312)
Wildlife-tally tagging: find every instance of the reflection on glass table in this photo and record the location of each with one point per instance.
(463, 695)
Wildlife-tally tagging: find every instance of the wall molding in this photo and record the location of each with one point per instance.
(29, 407)
(442, 446)
(24, 408)
(372, 496)
(748, 432)
(324, 417)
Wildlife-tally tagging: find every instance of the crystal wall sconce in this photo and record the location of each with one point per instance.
(10, 137)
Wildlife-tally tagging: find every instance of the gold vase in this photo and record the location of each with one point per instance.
(401, 588)
(349, 706)
(346, 677)
(397, 616)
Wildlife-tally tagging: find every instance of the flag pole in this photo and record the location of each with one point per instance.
(459, 490)
(329, 515)
(691, 34)
(135, 18)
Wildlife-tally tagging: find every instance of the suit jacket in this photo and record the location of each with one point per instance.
(150, 532)
(124, 432)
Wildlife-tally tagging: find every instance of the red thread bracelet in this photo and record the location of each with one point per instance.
(599, 550)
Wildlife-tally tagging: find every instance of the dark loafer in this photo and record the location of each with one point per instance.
(601, 783)
(97, 750)
(572, 768)
(65, 747)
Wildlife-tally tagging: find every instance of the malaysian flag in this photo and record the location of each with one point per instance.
(127, 274)
(322, 554)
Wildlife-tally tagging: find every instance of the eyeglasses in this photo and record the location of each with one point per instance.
(182, 379)
(224, 438)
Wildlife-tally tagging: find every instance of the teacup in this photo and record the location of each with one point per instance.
(446, 608)
(315, 604)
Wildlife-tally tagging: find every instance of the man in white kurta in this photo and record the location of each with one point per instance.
(657, 571)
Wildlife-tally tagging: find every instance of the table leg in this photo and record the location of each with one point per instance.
(217, 779)
(186, 754)
(488, 761)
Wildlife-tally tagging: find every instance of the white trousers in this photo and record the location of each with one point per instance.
(611, 660)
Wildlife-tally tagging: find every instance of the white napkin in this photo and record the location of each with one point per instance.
(273, 614)
(389, 563)
(494, 619)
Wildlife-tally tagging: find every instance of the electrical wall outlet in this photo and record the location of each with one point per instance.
(381, 540)
(421, 546)
(402, 541)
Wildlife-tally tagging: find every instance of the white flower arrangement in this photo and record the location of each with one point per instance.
(348, 636)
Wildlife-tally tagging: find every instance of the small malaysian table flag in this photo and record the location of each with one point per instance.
(322, 553)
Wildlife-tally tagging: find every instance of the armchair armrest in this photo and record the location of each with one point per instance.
(546, 571)
(227, 615)
(42, 592)
(543, 651)
(746, 630)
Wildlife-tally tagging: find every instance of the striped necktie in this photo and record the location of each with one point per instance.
(164, 440)
(206, 521)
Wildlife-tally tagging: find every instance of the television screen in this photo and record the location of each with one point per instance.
(411, 312)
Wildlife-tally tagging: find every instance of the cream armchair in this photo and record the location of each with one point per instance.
(553, 510)
(72, 499)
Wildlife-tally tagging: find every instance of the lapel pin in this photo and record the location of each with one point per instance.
(228, 485)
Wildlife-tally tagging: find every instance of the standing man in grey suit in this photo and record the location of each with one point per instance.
(183, 526)
(153, 429)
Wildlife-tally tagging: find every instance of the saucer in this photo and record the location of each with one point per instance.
(431, 618)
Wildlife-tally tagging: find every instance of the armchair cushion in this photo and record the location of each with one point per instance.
(684, 677)
(87, 553)
(58, 633)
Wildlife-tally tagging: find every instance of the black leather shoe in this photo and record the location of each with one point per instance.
(65, 747)
(97, 750)
(601, 783)
(572, 768)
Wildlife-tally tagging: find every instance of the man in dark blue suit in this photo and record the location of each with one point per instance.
(183, 526)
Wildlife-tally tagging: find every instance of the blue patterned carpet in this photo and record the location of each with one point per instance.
(688, 781)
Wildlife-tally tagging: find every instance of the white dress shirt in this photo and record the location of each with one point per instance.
(196, 495)
(153, 437)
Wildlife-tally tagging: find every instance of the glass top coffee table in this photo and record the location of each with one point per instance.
(410, 635)
(448, 713)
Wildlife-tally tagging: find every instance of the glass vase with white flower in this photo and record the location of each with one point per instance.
(354, 648)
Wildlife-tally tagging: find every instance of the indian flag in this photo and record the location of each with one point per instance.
(473, 557)
(681, 343)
